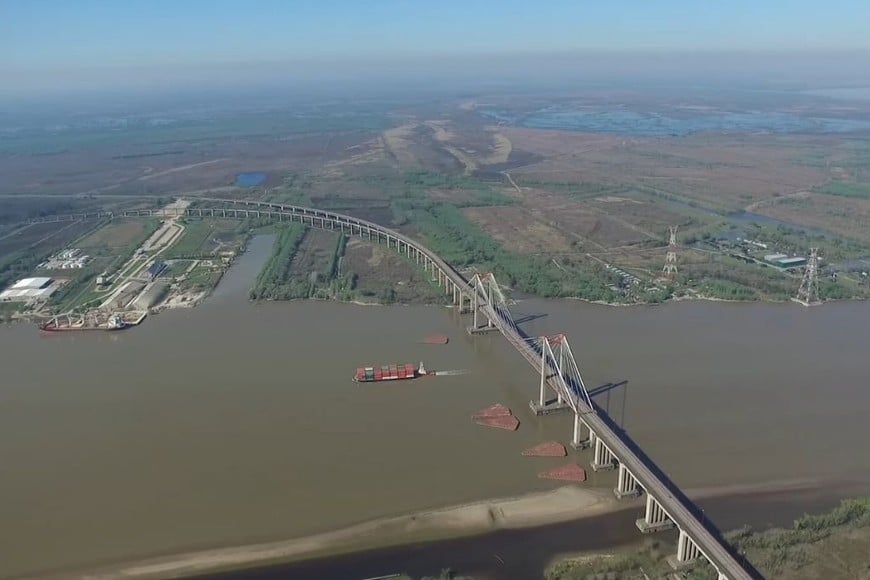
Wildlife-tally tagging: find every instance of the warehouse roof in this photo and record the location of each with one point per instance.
(31, 283)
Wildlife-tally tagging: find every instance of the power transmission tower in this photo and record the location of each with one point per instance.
(671, 259)
(808, 292)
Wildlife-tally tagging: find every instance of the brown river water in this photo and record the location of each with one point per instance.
(235, 423)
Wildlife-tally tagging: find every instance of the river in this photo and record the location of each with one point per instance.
(235, 423)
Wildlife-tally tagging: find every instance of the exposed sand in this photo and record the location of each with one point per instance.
(563, 504)
(534, 509)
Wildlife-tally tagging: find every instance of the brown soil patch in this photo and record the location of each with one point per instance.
(729, 172)
(381, 273)
(398, 142)
(517, 229)
(843, 215)
(116, 234)
(556, 143)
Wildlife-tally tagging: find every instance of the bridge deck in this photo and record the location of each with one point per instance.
(680, 509)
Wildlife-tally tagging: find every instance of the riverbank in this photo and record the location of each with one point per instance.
(530, 510)
(568, 504)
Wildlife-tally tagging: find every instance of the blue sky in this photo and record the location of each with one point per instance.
(49, 34)
(58, 46)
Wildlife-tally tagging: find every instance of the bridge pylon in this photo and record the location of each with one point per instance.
(488, 304)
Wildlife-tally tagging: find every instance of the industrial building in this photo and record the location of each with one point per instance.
(66, 260)
(783, 261)
(28, 289)
(791, 262)
(151, 296)
(155, 270)
(126, 294)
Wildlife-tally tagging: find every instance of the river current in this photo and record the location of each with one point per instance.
(234, 423)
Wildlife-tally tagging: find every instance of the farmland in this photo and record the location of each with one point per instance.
(553, 212)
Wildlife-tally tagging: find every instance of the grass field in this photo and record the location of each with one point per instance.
(118, 234)
(831, 545)
(202, 236)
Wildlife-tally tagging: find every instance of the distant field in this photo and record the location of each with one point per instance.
(183, 159)
(117, 235)
(555, 212)
(846, 189)
(848, 216)
(199, 235)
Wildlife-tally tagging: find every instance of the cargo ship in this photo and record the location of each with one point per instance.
(389, 373)
(114, 323)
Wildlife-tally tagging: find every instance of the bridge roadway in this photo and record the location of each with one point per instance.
(679, 508)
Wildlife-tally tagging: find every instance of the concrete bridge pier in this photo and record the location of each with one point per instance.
(687, 553)
(544, 406)
(655, 519)
(577, 441)
(626, 484)
(603, 458)
(476, 306)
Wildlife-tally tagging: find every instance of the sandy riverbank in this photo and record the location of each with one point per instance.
(563, 504)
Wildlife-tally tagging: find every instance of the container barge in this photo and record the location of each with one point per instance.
(389, 373)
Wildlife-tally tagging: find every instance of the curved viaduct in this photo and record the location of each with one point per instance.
(666, 505)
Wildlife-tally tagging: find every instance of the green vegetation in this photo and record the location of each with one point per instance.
(202, 277)
(75, 295)
(340, 245)
(846, 189)
(294, 192)
(574, 189)
(202, 236)
(802, 551)
(276, 281)
(191, 244)
(7, 309)
(777, 551)
(151, 226)
(449, 233)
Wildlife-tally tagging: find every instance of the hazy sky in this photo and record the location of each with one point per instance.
(40, 37)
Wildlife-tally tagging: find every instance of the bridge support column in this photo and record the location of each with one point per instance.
(603, 458)
(687, 553)
(577, 441)
(542, 406)
(626, 484)
(655, 518)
